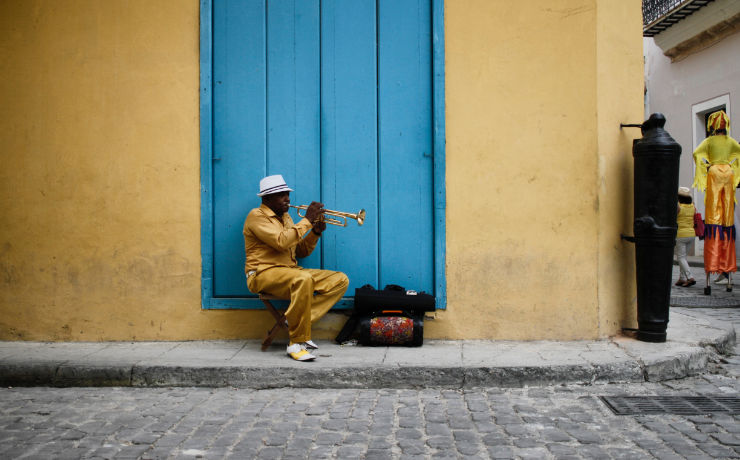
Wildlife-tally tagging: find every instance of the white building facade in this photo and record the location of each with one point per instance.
(692, 68)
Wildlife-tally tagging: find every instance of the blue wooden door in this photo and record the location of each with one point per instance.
(335, 95)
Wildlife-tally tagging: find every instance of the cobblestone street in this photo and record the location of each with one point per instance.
(538, 422)
(694, 296)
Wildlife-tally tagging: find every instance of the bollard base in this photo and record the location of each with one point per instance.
(648, 336)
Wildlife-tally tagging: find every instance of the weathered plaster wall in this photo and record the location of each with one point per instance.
(619, 99)
(100, 200)
(100, 183)
(536, 167)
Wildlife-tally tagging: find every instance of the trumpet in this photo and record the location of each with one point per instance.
(359, 217)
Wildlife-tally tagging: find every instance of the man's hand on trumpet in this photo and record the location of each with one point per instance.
(315, 215)
(319, 226)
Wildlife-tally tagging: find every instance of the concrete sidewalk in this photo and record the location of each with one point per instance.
(694, 339)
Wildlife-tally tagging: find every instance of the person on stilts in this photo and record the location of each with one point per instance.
(717, 161)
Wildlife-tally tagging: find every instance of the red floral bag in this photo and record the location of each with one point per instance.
(698, 225)
(392, 327)
(391, 330)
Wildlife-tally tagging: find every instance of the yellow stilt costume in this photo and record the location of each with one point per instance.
(717, 162)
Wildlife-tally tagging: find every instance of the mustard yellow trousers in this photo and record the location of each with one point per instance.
(312, 292)
(719, 221)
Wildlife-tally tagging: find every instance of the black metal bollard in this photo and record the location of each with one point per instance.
(656, 186)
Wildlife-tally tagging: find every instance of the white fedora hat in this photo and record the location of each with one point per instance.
(273, 184)
(684, 191)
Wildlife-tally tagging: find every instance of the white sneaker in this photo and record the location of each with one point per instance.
(721, 279)
(299, 353)
(310, 345)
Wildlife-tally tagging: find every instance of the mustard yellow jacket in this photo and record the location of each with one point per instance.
(716, 150)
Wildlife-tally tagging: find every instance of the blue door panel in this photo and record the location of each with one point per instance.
(239, 139)
(349, 135)
(293, 101)
(405, 131)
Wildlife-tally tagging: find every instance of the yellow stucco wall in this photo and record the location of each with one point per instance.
(100, 171)
(537, 191)
(617, 102)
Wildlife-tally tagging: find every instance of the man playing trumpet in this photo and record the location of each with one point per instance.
(272, 243)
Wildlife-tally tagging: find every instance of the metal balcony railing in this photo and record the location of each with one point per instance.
(658, 15)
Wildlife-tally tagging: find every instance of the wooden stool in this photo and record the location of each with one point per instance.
(280, 321)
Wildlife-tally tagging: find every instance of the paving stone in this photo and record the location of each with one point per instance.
(270, 452)
(690, 452)
(149, 438)
(709, 428)
(478, 406)
(277, 439)
(592, 451)
(240, 452)
(532, 453)
(555, 435)
(461, 423)
(409, 422)
(294, 454)
(727, 439)
(717, 451)
(378, 454)
(377, 443)
(584, 436)
(408, 433)
(358, 426)
(350, 452)
(329, 439)
(561, 450)
(156, 454)
(72, 435)
(131, 452)
(527, 443)
(468, 448)
(171, 439)
(732, 427)
(440, 442)
(465, 436)
(445, 455)
(436, 417)
(411, 447)
(486, 427)
(437, 429)
(507, 419)
(501, 452)
(334, 425)
(496, 439)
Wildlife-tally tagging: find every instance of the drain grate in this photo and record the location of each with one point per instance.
(681, 405)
